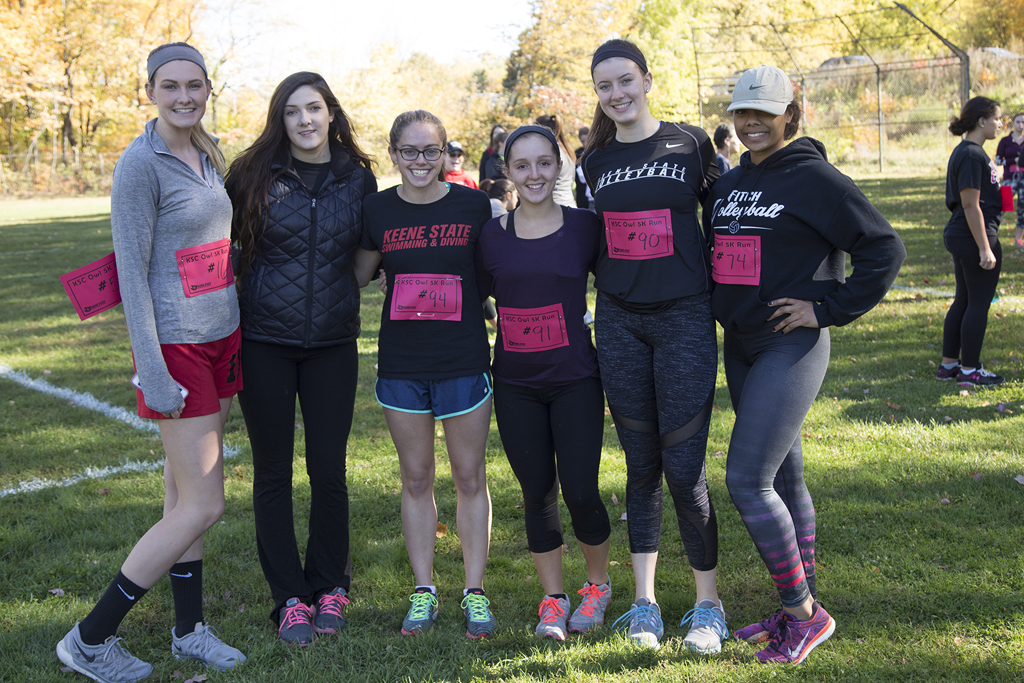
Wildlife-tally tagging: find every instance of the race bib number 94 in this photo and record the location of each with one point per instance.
(426, 296)
(206, 268)
(532, 329)
(639, 235)
(737, 260)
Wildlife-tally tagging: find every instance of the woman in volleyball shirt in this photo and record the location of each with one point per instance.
(655, 334)
(433, 355)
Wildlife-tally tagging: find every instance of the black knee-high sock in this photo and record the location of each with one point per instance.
(187, 588)
(121, 595)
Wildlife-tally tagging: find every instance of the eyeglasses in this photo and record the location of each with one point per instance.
(411, 153)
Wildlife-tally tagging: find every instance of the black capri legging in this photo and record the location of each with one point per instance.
(536, 425)
(964, 329)
(659, 373)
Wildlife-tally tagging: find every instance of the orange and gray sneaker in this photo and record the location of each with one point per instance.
(553, 612)
(590, 614)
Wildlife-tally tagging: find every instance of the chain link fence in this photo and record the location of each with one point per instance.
(878, 90)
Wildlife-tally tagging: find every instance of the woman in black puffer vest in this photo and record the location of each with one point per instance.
(297, 194)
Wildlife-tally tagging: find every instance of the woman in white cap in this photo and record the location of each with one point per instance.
(171, 220)
(779, 268)
(655, 334)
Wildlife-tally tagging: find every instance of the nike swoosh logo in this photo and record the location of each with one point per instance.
(668, 146)
(130, 597)
(182, 576)
(88, 658)
(758, 87)
(795, 653)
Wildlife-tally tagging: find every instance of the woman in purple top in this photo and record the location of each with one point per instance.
(1008, 153)
(548, 398)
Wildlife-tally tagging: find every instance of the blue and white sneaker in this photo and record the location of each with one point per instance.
(707, 627)
(643, 621)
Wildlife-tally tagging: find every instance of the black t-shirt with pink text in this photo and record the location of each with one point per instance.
(432, 324)
(648, 195)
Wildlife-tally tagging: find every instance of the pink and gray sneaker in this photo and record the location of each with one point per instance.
(796, 639)
(295, 625)
(330, 611)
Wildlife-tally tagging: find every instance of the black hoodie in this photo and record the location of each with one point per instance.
(786, 225)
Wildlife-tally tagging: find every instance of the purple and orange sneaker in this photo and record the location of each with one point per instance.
(296, 623)
(796, 639)
(946, 374)
(763, 630)
(330, 611)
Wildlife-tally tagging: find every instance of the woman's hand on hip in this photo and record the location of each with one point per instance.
(800, 314)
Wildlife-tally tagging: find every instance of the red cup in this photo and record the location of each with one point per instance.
(1007, 192)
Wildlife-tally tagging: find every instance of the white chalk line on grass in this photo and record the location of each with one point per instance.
(90, 402)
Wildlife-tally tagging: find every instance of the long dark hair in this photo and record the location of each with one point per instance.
(553, 123)
(602, 130)
(977, 108)
(251, 175)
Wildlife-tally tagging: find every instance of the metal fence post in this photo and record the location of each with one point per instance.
(965, 60)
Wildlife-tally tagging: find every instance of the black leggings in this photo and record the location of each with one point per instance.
(773, 380)
(536, 425)
(659, 373)
(324, 379)
(964, 330)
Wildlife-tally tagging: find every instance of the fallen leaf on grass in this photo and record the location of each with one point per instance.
(177, 674)
(528, 579)
(947, 419)
(615, 499)
(227, 595)
(241, 610)
(614, 563)
(59, 592)
(519, 506)
(1019, 479)
(47, 372)
(944, 501)
(965, 392)
(104, 492)
(931, 363)
(442, 530)
(623, 517)
(197, 679)
(860, 641)
(1001, 407)
(976, 476)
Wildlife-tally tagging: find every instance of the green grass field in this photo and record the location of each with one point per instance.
(919, 538)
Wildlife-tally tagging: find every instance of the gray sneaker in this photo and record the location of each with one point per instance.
(422, 614)
(552, 613)
(643, 621)
(109, 662)
(203, 645)
(590, 614)
(707, 628)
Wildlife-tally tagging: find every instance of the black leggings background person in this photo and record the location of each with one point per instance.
(972, 238)
(655, 334)
(297, 193)
(779, 268)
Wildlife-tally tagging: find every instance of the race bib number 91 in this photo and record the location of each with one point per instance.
(532, 329)
(737, 260)
(639, 235)
(426, 296)
(206, 268)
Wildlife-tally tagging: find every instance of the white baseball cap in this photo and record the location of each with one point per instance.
(764, 88)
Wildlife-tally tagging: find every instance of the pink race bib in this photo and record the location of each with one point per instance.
(205, 268)
(737, 260)
(532, 329)
(639, 235)
(93, 288)
(426, 296)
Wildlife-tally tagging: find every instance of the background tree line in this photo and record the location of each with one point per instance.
(72, 71)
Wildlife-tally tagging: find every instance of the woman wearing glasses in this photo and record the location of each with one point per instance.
(433, 356)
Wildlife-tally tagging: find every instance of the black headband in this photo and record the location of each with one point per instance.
(608, 51)
(523, 130)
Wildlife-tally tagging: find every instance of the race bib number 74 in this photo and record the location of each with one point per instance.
(737, 260)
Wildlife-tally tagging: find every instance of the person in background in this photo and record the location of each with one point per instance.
(503, 196)
(453, 171)
(1009, 153)
(492, 149)
(656, 341)
(726, 146)
(563, 188)
(548, 402)
(298, 193)
(168, 197)
(780, 283)
(584, 200)
(434, 355)
(972, 238)
(495, 163)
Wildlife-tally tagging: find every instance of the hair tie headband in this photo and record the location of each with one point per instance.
(171, 53)
(523, 130)
(608, 51)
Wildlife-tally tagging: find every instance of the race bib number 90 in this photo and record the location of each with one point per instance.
(639, 235)
(737, 260)
(532, 329)
(426, 296)
(206, 268)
